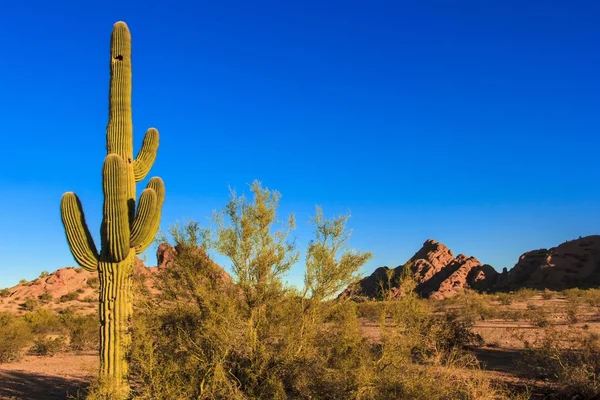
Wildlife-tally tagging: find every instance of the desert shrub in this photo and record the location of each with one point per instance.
(504, 299)
(93, 282)
(15, 336)
(547, 294)
(574, 294)
(29, 304)
(82, 331)
(251, 337)
(473, 306)
(4, 293)
(592, 297)
(47, 346)
(43, 321)
(572, 311)
(571, 360)
(69, 297)
(538, 316)
(45, 297)
(44, 274)
(525, 294)
(371, 310)
(22, 281)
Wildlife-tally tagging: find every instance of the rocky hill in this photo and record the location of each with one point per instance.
(78, 289)
(437, 273)
(573, 264)
(66, 287)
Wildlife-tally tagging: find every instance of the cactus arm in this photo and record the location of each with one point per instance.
(78, 235)
(146, 156)
(158, 186)
(115, 224)
(140, 229)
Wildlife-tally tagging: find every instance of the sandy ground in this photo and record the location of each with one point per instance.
(47, 378)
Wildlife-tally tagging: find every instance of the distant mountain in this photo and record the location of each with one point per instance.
(573, 264)
(69, 286)
(437, 273)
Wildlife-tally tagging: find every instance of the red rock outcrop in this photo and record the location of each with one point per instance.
(573, 264)
(436, 272)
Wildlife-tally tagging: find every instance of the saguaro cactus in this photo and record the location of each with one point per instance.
(125, 231)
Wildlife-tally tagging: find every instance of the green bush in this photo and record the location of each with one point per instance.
(93, 282)
(45, 297)
(547, 294)
(43, 321)
(371, 310)
(505, 299)
(29, 304)
(45, 346)
(570, 359)
(4, 293)
(69, 297)
(82, 331)
(15, 336)
(525, 294)
(44, 274)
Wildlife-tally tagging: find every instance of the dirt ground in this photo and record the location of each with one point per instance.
(61, 376)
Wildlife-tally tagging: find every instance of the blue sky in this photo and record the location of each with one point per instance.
(471, 122)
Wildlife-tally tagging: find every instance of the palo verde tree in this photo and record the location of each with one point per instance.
(330, 264)
(259, 255)
(126, 230)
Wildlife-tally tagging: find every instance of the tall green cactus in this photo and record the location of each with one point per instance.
(125, 231)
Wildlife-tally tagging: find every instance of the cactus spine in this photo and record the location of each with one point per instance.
(125, 231)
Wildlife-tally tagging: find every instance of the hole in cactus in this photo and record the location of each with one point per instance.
(119, 57)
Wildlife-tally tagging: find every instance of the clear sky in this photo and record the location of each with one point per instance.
(475, 123)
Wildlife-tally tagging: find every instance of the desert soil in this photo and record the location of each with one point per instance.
(61, 376)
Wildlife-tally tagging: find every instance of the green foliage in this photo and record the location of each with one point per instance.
(208, 337)
(69, 297)
(43, 321)
(44, 274)
(15, 335)
(45, 297)
(30, 304)
(82, 331)
(47, 346)
(525, 294)
(22, 281)
(547, 294)
(538, 316)
(259, 257)
(570, 359)
(4, 293)
(93, 282)
(330, 265)
(505, 299)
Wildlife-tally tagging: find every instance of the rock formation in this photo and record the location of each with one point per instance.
(573, 264)
(434, 270)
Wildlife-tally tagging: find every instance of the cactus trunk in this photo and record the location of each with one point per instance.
(125, 231)
(115, 311)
